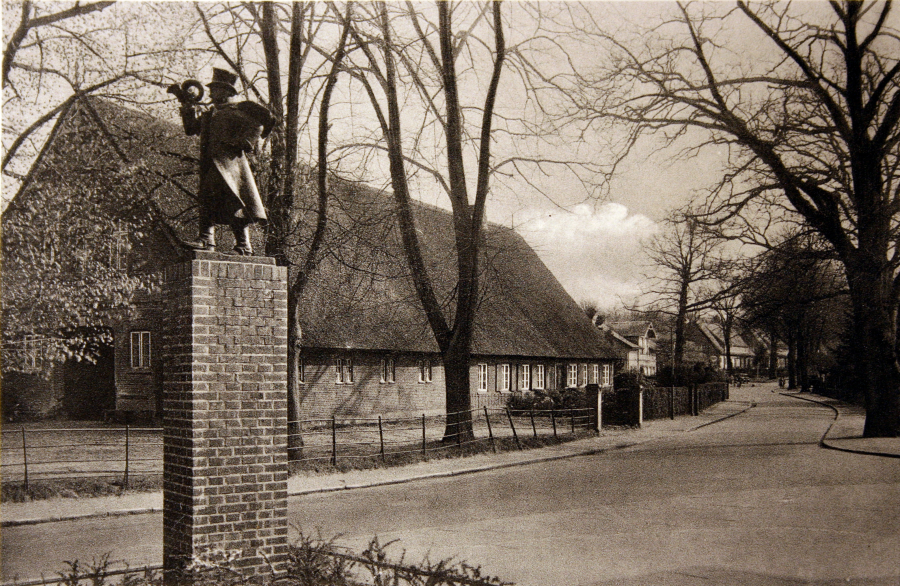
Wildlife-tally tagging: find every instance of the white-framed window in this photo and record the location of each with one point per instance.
(524, 377)
(140, 350)
(538, 376)
(425, 371)
(571, 375)
(344, 371)
(583, 379)
(482, 378)
(504, 378)
(387, 370)
(606, 379)
(595, 374)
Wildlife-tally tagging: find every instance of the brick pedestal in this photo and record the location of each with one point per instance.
(225, 406)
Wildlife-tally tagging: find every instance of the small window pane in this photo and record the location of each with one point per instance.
(524, 377)
(572, 376)
(504, 377)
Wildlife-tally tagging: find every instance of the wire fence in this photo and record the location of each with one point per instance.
(121, 453)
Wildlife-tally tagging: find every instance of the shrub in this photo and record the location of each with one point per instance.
(540, 400)
(689, 375)
(311, 562)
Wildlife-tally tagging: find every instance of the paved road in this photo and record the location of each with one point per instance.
(751, 500)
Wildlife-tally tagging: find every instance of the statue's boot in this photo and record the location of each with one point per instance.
(200, 245)
(206, 240)
(242, 246)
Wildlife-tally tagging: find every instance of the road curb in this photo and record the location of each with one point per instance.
(445, 474)
(823, 441)
(57, 519)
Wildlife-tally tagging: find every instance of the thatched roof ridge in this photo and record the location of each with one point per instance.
(361, 295)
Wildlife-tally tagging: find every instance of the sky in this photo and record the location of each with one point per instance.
(593, 246)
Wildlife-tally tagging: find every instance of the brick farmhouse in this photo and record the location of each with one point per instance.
(367, 347)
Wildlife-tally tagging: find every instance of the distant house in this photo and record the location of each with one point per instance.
(367, 346)
(707, 339)
(761, 345)
(635, 344)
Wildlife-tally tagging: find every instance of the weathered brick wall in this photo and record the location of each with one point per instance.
(28, 396)
(322, 396)
(554, 378)
(138, 389)
(225, 394)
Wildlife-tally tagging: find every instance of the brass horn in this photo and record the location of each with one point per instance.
(189, 92)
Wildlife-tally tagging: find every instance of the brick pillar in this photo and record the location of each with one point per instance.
(225, 409)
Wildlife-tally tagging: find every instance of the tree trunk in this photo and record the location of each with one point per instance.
(802, 362)
(773, 355)
(877, 366)
(459, 403)
(680, 320)
(295, 438)
(792, 360)
(726, 334)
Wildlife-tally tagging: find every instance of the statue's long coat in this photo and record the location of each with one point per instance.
(227, 187)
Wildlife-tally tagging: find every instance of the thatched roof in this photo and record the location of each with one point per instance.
(716, 335)
(361, 295)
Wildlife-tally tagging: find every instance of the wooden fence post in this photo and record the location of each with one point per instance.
(25, 457)
(381, 437)
(490, 432)
(533, 426)
(553, 420)
(333, 441)
(127, 450)
(424, 448)
(598, 411)
(513, 428)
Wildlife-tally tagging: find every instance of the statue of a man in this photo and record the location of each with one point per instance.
(228, 192)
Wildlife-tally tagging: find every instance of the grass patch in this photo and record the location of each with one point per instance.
(15, 492)
(435, 451)
(40, 489)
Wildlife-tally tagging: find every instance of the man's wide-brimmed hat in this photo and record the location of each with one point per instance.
(224, 79)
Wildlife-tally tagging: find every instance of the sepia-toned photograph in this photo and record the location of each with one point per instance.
(450, 293)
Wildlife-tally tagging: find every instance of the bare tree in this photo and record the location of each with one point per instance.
(684, 262)
(795, 292)
(30, 22)
(60, 52)
(452, 330)
(268, 23)
(808, 111)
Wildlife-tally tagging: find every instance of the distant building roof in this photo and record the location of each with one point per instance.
(715, 333)
(618, 339)
(632, 329)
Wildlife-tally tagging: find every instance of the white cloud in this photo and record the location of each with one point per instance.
(596, 253)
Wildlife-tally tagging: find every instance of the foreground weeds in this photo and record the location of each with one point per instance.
(311, 562)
